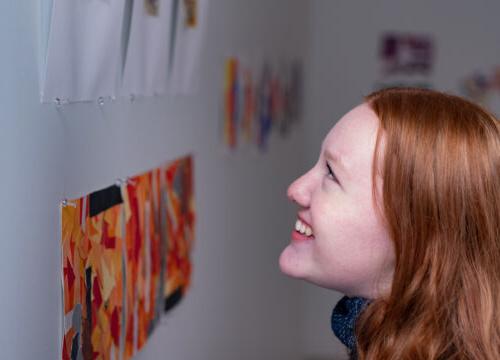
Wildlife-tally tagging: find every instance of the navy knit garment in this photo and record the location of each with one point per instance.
(343, 320)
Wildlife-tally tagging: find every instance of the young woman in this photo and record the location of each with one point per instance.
(402, 214)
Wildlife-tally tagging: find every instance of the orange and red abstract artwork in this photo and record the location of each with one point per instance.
(125, 260)
(180, 217)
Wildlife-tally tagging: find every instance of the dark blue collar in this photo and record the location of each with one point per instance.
(343, 320)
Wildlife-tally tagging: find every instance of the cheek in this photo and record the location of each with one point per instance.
(333, 216)
(350, 236)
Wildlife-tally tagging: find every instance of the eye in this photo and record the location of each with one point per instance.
(331, 174)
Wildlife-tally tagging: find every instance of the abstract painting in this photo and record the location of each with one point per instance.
(406, 53)
(142, 260)
(259, 101)
(405, 60)
(92, 241)
(125, 260)
(180, 219)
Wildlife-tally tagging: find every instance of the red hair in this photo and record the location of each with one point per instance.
(440, 165)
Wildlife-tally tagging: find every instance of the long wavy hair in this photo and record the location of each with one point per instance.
(440, 165)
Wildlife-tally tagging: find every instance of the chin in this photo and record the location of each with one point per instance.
(289, 265)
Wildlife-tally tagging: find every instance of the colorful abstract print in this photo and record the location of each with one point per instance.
(180, 217)
(260, 101)
(125, 260)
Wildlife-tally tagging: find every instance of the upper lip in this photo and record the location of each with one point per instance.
(302, 219)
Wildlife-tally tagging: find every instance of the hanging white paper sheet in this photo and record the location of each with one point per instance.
(188, 44)
(146, 63)
(45, 15)
(83, 50)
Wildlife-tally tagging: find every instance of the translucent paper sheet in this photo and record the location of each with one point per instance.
(83, 50)
(146, 64)
(191, 19)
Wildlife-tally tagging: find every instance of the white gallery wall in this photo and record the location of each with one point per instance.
(344, 66)
(239, 306)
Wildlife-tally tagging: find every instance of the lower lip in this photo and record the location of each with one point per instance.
(298, 237)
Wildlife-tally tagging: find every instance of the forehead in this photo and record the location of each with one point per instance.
(353, 138)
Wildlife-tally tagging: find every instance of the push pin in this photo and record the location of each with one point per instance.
(120, 182)
(65, 203)
(100, 101)
(58, 102)
(129, 181)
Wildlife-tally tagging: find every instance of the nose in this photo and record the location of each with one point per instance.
(300, 190)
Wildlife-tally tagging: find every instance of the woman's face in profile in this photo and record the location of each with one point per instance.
(339, 241)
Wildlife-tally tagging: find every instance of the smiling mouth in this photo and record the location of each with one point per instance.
(302, 231)
(302, 228)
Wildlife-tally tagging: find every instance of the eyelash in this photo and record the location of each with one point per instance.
(330, 173)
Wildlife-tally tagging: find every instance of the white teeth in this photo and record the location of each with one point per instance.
(303, 228)
(297, 225)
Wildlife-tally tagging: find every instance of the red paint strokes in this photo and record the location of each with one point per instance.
(170, 173)
(65, 355)
(96, 291)
(115, 327)
(69, 274)
(137, 239)
(109, 242)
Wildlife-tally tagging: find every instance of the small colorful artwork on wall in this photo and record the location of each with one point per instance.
(483, 87)
(406, 53)
(481, 84)
(406, 60)
(191, 13)
(152, 7)
(125, 254)
(258, 101)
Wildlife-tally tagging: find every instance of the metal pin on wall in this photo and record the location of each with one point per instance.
(129, 181)
(59, 102)
(66, 202)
